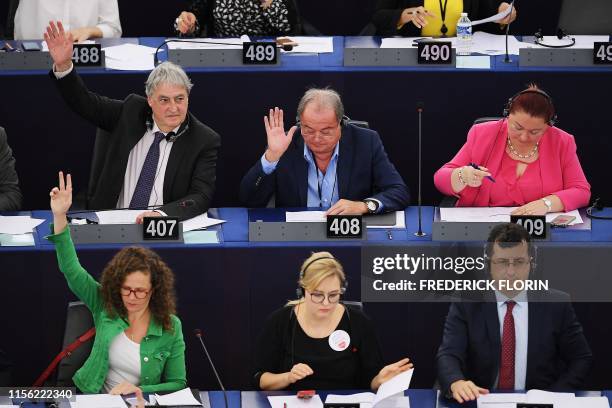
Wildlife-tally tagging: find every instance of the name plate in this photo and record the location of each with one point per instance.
(534, 224)
(87, 55)
(344, 226)
(602, 53)
(434, 52)
(156, 228)
(259, 53)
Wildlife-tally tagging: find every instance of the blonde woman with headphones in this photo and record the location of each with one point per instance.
(316, 342)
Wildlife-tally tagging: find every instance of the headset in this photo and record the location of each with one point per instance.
(596, 207)
(532, 251)
(170, 137)
(539, 37)
(550, 121)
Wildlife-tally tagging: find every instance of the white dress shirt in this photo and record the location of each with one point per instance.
(123, 362)
(136, 160)
(520, 313)
(33, 16)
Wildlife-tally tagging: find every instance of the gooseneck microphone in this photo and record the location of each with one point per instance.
(507, 59)
(198, 334)
(420, 107)
(284, 47)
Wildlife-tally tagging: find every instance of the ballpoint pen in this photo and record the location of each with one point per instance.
(477, 167)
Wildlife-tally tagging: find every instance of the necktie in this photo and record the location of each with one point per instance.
(142, 192)
(506, 368)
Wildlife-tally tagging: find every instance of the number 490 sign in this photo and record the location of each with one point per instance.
(434, 52)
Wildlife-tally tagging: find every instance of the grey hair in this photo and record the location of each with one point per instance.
(323, 97)
(168, 73)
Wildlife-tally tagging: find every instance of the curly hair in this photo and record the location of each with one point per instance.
(131, 259)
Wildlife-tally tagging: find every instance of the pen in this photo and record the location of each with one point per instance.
(477, 167)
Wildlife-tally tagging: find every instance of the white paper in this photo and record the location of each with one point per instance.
(129, 57)
(9, 406)
(499, 16)
(18, 224)
(351, 398)
(98, 401)
(182, 397)
(293, 401)
(45, 47)
(509, 400)
(585, 402)
(205, 43)
(315, 45)
(582, 41)
(200, 222)
(118, 216)
(493, 214)
(473, 62)
(305, 216)
(394, 386)
(492, 44)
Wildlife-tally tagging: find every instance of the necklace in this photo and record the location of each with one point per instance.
(443, 29)
(522, 156)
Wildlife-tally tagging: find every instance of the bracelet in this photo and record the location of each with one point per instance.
(460, 174)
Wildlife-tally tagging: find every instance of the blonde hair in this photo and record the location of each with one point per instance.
(315, 269)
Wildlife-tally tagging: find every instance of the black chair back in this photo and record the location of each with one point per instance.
(78, 321)
(586, 17)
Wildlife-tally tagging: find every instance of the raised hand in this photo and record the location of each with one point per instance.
(61, 200)
(60, 45)
(278, 141)
(185, 23)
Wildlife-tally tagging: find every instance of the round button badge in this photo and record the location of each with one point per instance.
(339, 340)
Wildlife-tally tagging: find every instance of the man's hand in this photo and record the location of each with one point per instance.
(347, 207)
(278, 141)
(60, 45)
(140, 218)
(463, 391)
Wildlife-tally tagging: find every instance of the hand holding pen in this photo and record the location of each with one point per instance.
(472, 175)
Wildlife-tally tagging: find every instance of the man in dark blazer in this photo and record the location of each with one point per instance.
(329, 164)
(514, 341)
(158, 154)
(10, 195)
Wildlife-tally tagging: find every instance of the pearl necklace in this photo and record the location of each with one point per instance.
(522, 156)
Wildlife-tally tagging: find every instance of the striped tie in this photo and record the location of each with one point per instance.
(142, 192)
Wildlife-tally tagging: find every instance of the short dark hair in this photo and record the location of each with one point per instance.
(534, 102)
(507, 235)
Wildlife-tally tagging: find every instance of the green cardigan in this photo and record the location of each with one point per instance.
(162, 352)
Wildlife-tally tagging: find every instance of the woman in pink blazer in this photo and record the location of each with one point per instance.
(533, 163)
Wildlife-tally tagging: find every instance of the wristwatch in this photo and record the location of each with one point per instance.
(548, 204)
(372, 205)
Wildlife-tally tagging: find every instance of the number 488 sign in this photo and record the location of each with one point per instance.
(87, 55)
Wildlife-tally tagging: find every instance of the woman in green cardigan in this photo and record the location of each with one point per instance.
(139, 344)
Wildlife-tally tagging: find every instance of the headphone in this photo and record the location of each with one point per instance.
(532, 250)
(539, 37)
(299, 292)
(170, 137)
(596, 207)
(508, 108)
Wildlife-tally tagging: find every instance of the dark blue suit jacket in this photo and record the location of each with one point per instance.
(558, 355)
(363, 171)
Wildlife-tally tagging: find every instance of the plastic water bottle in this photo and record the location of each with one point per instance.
(464, 35)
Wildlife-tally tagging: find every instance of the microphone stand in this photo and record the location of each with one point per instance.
(507, 59)
(198, 334)
(420, 233)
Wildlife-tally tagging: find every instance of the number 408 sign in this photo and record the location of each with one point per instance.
(344, 226)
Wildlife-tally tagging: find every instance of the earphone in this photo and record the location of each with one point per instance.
(300, 290)
(596, 206)
(539, 37)
(508, 108)
(170, 137)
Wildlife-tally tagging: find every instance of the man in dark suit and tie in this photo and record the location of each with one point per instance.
(10, 195)
(330, 164)
(158, 154)
(516, 341)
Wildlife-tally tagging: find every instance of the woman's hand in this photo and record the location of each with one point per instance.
(390, 371)
(186, 22)
(61, 200)
(510, 18)
(127, 388)
(536, 207)
(416, 16)
(298, 372)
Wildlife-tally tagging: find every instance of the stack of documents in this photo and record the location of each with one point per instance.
(558, 399)
(183, 397)
(317, 45)
(493, 214)
(390, 394)
(19, 224)
(206, 43)
(129, 57)
(319, 216)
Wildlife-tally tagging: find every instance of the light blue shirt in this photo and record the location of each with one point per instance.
(328, 182)
(521, 317)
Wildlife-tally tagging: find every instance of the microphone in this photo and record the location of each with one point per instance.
(507, 59)
(284, 47)
(198, 334)
(420, 108)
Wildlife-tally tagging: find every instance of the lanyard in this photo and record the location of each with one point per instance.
(443, 29)
(319, 182)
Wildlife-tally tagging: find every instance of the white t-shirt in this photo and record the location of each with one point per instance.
(123, 362)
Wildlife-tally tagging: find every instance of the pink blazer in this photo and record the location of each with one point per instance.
(561, 172)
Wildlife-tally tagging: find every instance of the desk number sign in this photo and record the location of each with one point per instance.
(156, 228)
(87, 55)
(344, 226)
(434, 52)
(259, 53)
(534, 224)
(602, 53)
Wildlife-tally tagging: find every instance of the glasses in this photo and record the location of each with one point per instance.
(326, 133)
(138, 292)
(506, 262)
(319, 297)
